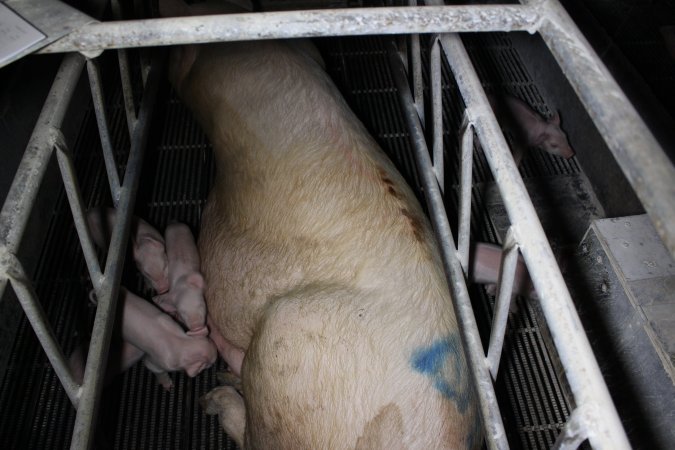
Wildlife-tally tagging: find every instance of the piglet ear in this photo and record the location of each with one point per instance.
(555, 119)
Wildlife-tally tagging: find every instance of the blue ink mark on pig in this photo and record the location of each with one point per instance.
(441, 362)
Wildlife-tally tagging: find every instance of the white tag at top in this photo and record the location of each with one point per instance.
(15, 34)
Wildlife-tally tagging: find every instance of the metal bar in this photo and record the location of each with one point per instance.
(437, 111)
(635, 149)
(418, 83)
(104, 132)
(573, 434)
(575, 353)
(507, 272)
(125, 74)
(107, 295)
(21, 196)
(72, 188)
(293, 24)
(12, 269)
(465, 181)
(490, 415)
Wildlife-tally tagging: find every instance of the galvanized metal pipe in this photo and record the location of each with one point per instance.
(465, 181)
(107, 296)
(437, 111)
(473, 348)
(21, 196)
(581, 369)
(12, 269)
(72, 188)
(635, 149)
(97, 37)
(574, 432)
(104, 132)
(507, 273)
(125, 73)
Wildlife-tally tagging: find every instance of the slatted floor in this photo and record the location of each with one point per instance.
(136, 412)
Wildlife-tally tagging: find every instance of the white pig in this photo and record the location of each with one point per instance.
(530, 129)
(185, 297)
(147, 244)
(319, 263)
(149, 333)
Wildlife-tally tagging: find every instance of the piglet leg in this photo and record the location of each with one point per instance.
(148, 245)
(186, 294)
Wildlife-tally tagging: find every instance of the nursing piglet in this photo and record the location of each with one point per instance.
(321, 267)
(166, 347)
(185, 297)
(147, 245)
(530, 129)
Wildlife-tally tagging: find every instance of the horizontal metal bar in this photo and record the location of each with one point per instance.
(635, 149)
(293, 24)
(473, 348)
(571, 342)
(69, 176)
(85, 422)
(21, 196)
(11, 267)
(507, 272)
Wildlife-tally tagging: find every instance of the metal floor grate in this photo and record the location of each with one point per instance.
(136, 412)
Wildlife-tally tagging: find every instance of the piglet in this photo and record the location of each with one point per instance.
(148, 245)
(185, 297)
(166, 346)
(485, 261)
(529, 128)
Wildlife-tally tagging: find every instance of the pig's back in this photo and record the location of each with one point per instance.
(315, 250)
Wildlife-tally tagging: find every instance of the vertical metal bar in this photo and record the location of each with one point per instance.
(465, 180)
(634, 147)
(574, 432)
(492, 421)
(103, 322)
(507, 272)
(75, 201)
(437, 111)
(13, 270)
(574, 350)
(125, 74)
(21, 196)
(104, 132)
(416, 62)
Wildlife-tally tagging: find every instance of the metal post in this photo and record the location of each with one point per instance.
(75, 201)
(465, 181)
(507, 272)
(125, 74)
(490, 415)
(11, 268)
(107, 294)
(102, 122)
(437, 111)
(573, 434)
(29, 175)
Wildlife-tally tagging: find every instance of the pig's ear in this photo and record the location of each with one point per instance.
(173, 8)
(555, 119)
